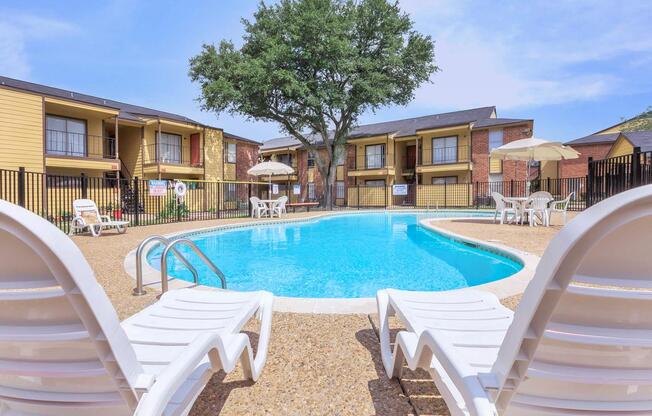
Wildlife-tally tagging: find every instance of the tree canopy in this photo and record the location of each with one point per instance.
(314, 66)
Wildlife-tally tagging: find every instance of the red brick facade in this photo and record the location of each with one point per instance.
(512, 170)
(247, 157)
(573, 168)
(480, 155)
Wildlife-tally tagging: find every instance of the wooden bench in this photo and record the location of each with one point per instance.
(307, 205)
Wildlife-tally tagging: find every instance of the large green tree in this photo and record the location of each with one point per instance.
(314, 66)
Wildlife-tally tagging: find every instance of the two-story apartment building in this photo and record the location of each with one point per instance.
(445, 148)
(60, 132)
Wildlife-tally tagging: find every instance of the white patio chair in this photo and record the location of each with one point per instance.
(535, 207)
(65, 353)
(502, 209)
(560, 206)
(580, 342)
(278, 207)
(88, 216)
(258, 208)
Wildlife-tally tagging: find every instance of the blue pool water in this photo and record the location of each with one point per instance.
(345, 256)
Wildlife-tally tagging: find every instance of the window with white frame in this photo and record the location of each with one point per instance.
(230, 153)
(374, 156)
(311, 190)
(285, 158)
(169, 148)
(495, 139)
(231, 192)
(444, 150)
(339, 189)
(65, 136)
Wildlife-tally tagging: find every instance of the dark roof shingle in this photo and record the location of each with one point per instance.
(595, 139)
(400, 128)
(642, 139)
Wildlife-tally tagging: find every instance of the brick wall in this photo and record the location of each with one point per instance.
(579, 167)
(480, 155)
(247, 157)
(515, 170)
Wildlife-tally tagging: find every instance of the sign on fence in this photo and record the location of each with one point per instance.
(401, 189)
(158, 188)
(296, 189)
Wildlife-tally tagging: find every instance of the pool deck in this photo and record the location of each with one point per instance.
(317, 364)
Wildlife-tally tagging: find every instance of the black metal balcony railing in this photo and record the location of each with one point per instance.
(62, 143)
(172, 154)
(444, 155)
(370, 161)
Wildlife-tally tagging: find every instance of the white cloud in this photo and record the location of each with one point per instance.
(15, 34)
(516, 55)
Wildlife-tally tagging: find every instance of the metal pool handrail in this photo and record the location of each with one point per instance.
(198, 252)
(138, 290)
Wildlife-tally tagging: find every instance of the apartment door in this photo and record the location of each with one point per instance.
(195, 150)
(410, 157)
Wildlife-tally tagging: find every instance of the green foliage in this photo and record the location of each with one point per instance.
(173, 209)
(314, 66)
(641, 122)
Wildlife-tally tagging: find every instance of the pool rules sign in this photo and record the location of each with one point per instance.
(399, 190)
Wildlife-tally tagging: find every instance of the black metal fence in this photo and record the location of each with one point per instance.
(608, 177)
(145, 202)
(142, 202)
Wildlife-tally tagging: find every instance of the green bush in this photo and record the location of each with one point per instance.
(173, 210)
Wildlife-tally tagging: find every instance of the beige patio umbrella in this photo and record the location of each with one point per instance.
(269, 169)
(534, 149)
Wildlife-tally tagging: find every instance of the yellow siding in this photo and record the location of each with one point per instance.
(621, 147)
(130, 141)
(214, 154)
(81, 163)
(21, 131)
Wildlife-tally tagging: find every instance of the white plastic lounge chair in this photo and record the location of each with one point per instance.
(278, 207)
(88, 216)
(570, 349)
(560, 206)
(64, 352)
(258, 208)
(502, 209)
(535, 207)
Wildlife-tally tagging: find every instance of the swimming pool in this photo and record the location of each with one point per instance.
(341, 256)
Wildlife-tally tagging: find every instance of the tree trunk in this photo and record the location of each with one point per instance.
(328, 180)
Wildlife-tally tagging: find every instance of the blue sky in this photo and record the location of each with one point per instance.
(574, 67)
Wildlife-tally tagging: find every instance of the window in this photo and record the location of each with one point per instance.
(340, 158)
(495, 139)
(169, 148)
(311, 160)
(444, 180)
(230, 192)
(444, 150)
(111, 179)
(375, 182)
(65, 136)
(311, 190)
(339, 189)
(375, 156)
(285, 159)
(230, 154)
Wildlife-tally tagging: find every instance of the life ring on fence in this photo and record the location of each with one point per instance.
(180, 189)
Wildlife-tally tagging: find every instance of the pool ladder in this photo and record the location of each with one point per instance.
(170, 246)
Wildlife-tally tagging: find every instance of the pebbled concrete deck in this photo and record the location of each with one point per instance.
(318, 364)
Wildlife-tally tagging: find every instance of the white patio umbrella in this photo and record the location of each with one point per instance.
(269, 169)
(533, 149)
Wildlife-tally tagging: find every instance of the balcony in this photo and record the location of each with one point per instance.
(173, 158)
(441, 159)
(61, 143)
(80, 151)
(371, 164)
